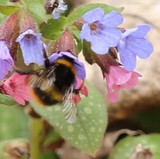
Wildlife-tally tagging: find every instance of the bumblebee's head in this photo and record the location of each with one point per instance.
(69, 60)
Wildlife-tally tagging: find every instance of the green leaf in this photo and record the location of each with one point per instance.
(53, 28)
(126, 148)
(13, 122)
(76, 34)
(49, 155)
(37, 9)
(87, 132)
(8, 147)
(80, 11)
(8, 9)
(3, 1)
(6, 100)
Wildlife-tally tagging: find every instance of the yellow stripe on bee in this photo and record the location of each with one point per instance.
(54, 94)
(37, 98)
(67, 64)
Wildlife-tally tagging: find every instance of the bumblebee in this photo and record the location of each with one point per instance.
(54, 84)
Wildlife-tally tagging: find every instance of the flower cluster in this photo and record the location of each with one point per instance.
(102, 31)
(107, 41)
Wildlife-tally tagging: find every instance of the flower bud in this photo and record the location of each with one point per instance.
(65, 43)
(26, 22)
(8, 32)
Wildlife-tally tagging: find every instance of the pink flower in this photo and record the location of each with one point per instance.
(119, 78)
(16, 87)
(79, 88)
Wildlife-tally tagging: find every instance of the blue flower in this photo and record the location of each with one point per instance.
(6, 61)
(57, 11)
(32, 47)
(132, 44)
(100, 29)
(79, 66)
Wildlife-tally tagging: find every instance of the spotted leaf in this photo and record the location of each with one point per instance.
(87, 132)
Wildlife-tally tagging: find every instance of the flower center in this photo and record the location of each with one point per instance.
(93, 27)
(29, 36)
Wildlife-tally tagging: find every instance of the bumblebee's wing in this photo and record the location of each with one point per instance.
(70, 109)
(42, 79)
(40, 82)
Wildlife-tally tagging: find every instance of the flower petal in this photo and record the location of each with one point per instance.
(119, 78)
(120, 75)
(133, 81)
(113, 95)
(111, 36)
(112, 19)
(16, 87)
(127, 58)
(99, 45)
(128, 61)
(128, 32)
(80, 71)
(94, 15)
(86, 32)
(141, 31)
(140, 47)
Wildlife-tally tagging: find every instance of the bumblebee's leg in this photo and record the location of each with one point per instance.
(29, 72)
(46, 60)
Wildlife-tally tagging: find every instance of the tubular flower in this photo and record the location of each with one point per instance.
(100, 29)
(6, 61)
(119, 78)
(31, 46)
(60, 8)
(16, 87)
(132, 44)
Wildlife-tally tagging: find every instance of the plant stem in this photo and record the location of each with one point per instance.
(35, 143)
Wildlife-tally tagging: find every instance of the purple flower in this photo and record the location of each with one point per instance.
(31, 46)
(132, 44)
(79, 66)
(6, 61)
(100, 29)
(57, 11)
